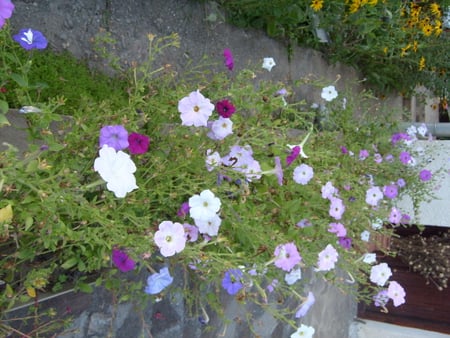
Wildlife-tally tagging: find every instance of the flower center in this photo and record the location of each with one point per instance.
(168, 239)
(196, 109)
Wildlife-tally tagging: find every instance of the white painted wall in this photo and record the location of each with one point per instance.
(374, 329)
(437, 211)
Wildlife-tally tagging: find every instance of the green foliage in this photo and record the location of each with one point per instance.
(395, 44)
(61, 219)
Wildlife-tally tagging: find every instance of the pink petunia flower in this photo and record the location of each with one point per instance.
(287, 256)
(195, 110)
(170, 238)
(228, 59)
(396, 293)
(6, 9)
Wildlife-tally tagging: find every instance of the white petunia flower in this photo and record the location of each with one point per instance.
(117, 169)
(329, 93)
(268, 63)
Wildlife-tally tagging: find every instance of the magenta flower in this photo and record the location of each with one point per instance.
(425, 175)
(303, 174)
(396, 292)
(345, 242)
(122, 261)
(338, 229)
(344, 150)
(158, 281)
(232, 281)
(304, 308)
(225, 108)
(114, 136)
(390, 191)
(327, 258)
(287, 256)
(6, 9)
(170, 238)
(337, 208)
(31, 39)
(373, 196)
(405, 157)
(228, 59)
(195, 110)
(138, 143)
(293, 155)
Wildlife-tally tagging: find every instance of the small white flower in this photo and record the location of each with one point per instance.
(213, 160)
(412, 130)
(268, 63)
(221, 128)
(204, 206)
(329, 93)
(370, 258)
(377, 224)
(365, 235)
(209, 226)
(304, 332)
(422, 130)
(293, 276)
(379, 274)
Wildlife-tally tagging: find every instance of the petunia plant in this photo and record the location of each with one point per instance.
(237, 186)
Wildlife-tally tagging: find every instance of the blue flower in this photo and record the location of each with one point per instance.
(29, 39)
(158, 281)
(231, 282)
(304, 308)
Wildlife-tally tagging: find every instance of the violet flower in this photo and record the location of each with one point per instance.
(115, 136)
(31, 39)
(123, 262)
(231, 282)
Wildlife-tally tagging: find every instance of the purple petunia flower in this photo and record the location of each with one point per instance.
(228, 59)
(401, 182)
(338, 229)
(363, 154)
(304, 223)
(390, 191)
(138, 143)
(114, 136)
(231, 282)
(183, 210)
(287, 256)
(191, 232)
(405, 157)
(158, 281)
(6, 9)
(395, 216)
(225, 108)
(31, 39)
(123, 262)
(304, 308)
(344, 150)
(345, 242)
(293, 155)
(425, 175)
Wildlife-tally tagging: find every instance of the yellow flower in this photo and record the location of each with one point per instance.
(405, 49)
(427, 30)
(415, 46)
(385, 50)
(355, 6)
(372, 2)
(422, 63)
(435, 10)
(317, 5)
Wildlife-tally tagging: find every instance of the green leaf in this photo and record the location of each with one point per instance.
(85, 287)
(4, 107)
(70, 263)
(21, 81)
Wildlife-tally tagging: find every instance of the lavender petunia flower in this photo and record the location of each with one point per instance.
(381, 298)
(287, 256)
(304, 308)
(31, 39)
(327, 258)
(396, 293)
(158, 281)
(345, 242)
(337, 208)
(195, 110)
(115, 136)
(390, 191)
(425, 175)
(231, 282)
(303, 174)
